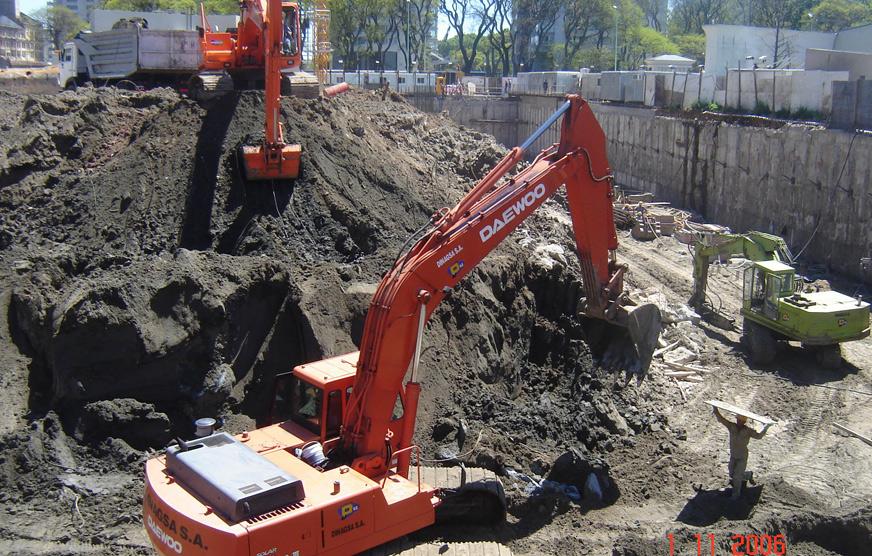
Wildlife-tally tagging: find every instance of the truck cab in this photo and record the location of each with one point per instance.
(72, 65)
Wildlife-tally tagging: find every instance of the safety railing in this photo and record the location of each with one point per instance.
(394, 459)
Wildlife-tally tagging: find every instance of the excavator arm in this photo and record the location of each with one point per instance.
(455, 244)
(754, 246)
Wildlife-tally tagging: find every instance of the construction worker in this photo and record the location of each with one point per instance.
(740, 435)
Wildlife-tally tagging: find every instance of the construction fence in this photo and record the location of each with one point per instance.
(808, 94)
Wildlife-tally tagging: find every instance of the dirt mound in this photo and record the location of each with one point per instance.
(147, 284)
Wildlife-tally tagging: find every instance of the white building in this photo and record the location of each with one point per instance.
(732, 46)
(669, 62)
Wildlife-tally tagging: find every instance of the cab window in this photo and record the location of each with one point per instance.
(306, 405)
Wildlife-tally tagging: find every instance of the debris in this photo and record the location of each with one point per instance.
(683, 367)
(739, 411)
(665, 348)
(680, 355)
(855, 434)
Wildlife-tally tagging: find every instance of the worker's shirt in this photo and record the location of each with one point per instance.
(740, 436)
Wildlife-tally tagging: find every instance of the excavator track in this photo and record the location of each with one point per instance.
(300, 84)
(472, 494)
(210, 85)
(407, 548)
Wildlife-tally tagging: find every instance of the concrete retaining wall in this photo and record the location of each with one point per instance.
(783, 181)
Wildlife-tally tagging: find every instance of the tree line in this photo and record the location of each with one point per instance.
(503, 37)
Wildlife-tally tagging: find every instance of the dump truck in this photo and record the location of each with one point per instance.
(136, 56)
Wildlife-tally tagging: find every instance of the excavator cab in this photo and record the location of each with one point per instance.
(764, 283)
(314, 396)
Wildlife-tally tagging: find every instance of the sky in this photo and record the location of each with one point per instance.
(30, 6)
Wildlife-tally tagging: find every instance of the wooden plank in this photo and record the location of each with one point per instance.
(739, 411)
(853, 433)
(683, 367)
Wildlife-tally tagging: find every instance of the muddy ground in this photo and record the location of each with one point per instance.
(144, 284)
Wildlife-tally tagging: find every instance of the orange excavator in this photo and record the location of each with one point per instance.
(336, 477)
(265, 48)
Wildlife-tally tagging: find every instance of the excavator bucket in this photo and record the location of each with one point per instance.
(271, 163)
(632, 339)
(644, 324)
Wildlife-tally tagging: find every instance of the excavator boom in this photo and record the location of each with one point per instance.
(754, 246)
(456, 244)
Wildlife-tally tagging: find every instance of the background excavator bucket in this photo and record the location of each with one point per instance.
(632, 338)
(264, 163)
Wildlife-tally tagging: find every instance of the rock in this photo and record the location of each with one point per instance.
(576, 467)
(443, 428)
(137, 423)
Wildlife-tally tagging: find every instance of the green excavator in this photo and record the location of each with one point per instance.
(774, 309)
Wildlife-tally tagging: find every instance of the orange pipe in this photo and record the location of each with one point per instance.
(338, 89)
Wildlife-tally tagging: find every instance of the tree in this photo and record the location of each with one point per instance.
(422, 22)
(688, 16)
(61, 22)
(780, 14)
(501, 39)
(347, 20)
(212, 6)
(533, 26)
(380, 27)
(835, 15)
(463, 14)
(630, 21)
(691, 46)
(652, 8)
(644, 42)
(582, 21)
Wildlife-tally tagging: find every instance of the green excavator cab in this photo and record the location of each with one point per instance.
(774, 309)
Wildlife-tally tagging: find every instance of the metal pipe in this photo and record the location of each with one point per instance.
(422, 319)
(544, 127)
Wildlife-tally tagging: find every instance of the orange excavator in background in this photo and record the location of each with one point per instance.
(334, 478)
(265, 48)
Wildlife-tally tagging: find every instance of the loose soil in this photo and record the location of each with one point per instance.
(144, 284)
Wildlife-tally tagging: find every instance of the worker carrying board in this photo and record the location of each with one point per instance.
(741, 434)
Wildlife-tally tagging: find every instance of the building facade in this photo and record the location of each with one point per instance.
(22, 41)
(740, 46)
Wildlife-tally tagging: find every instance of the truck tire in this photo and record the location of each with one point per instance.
(759, 341)
(829, 357)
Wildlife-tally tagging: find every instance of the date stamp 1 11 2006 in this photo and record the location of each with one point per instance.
(752, 544)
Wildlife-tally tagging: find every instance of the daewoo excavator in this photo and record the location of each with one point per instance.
(267, 48)
(274, 491)
(773, 307)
